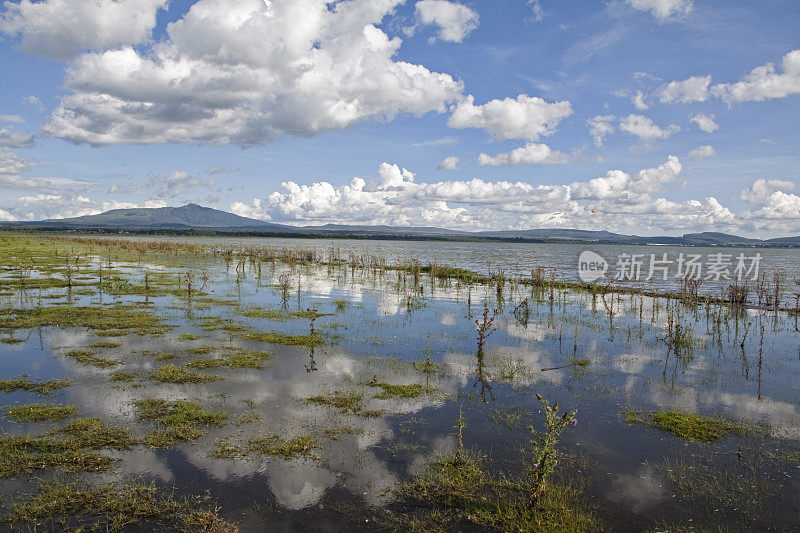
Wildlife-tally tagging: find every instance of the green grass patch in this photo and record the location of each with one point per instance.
(118, 318)
(200, 350)
(345, 401)
(458, 494)
(396, 391)
(11, 340)
(180, 420)
(189, 337)
(88, 357)
(39, 412)
(120, 376)
(112, 507)
(95, 434)
(44, 388)
(694, 427)
(23, 454)
(274, 337)
(300, 446)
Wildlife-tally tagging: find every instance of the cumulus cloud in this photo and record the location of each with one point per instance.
(530, 154)
(455, 21)
(638, 101)
(645, 129)
(45, 206)
(10, 163)
(448, 163)
(15, 140)
(246, 73)
(61, 29)
(764, 82)
(694, 89)
(762, 189)
(526, 117)
(617, 185)
(5, 216)
(599, 127)
(702, 151)
(705, 122)
(617, 201)
(663, 10)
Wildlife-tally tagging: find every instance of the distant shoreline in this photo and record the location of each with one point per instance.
(307, 234)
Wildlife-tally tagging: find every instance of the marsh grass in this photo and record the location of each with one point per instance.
(180, 375)
(103, 319)
(112, 507)
(94, 433)
(274, 337)
(45, 388)
(180, 421)
(691, 426)
(389, 391)
(252, 359)
(120, 376)
(89, 358)
(457, 493)
(11, 340)
(40, 412)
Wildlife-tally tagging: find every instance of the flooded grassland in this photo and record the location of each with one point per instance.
(211, 387)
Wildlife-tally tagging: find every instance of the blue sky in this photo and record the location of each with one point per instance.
(637, 116)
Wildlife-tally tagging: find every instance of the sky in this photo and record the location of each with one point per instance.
(648, 117)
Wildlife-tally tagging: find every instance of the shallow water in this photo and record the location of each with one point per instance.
(382, 324)
(519, 259)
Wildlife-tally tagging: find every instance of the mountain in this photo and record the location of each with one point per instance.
(188, 216)
(205, 220)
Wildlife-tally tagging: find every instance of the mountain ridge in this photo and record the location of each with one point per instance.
(196, 219)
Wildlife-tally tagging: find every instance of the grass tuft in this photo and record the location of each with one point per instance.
(40, 412)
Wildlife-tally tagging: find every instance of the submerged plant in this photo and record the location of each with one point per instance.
(545, 455)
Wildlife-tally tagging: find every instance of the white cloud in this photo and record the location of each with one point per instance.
(10, 163)
(249, 72)
(645, 129)
(764, 82)
(45, 206)
(617, 185)
(537, 10)
(599, 127)
(761, 189)
(530, 154)
(663, 10)
(448, 163)
(5, 216)
(705, 122)
(526, 117)
(33, 100)
(15, 140)
(165, 185)
(222, 170)
(61, 29)
(455, 21)
(694, 89)
(16, 119)
(638, 101)
(702, 151)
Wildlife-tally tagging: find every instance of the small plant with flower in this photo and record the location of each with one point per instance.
(545, 454)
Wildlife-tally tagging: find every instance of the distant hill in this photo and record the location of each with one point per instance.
(188, 216)
(207, 221)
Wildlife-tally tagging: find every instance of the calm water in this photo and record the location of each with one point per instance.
(631, 471)
(518, 259)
